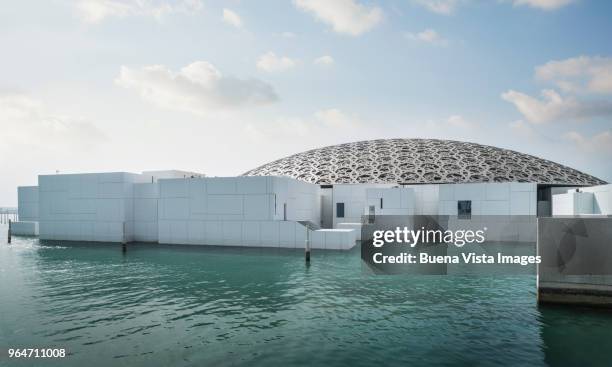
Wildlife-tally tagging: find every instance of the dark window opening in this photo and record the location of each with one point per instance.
(339, 210)
(371, 214)
(381, 202)
(464, 209)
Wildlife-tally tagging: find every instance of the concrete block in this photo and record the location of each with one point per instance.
(251, 233)
(490, 207)
(108, 210)
(317, 239)
(354, 226)
(196, 232)
(178, 232)
(225, 204)
(523, 186)
(520, 202)
(110, 190)
(232, 233)
(109, 177)
(173, 188)
(23, 228)
(446, 192)
(256, 207)
(89, 186)
(448, 207)
(300, 236)
(175, 208)
(221, 185)
(252, 185)
(146, 190)
(286, 233)
(87, 230)
(269, 233)
(145, 210)
(497, 191)
(333, 240)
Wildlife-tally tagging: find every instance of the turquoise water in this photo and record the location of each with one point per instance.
(183, 306)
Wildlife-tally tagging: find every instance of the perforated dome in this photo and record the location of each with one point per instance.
(419, 161)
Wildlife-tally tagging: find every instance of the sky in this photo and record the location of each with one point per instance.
(221, 87)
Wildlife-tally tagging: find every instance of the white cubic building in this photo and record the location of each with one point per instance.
(319, 195)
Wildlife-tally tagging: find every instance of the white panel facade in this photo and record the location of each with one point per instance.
(391, 201)
(146, 197)
(87, 207)
(23, 228)
(595, 200)
(507, 198)
(602, 198)
(236, 211)
(354, 198)
(265, 210)
(27, 199)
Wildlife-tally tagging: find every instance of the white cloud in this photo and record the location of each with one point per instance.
(288, 35)
(28, 122)
(543, 4)
(232, 18)
(324, 61)
(198, 88)
(345, 16)
(599, 144)
(270, 63)
(579, 74)
(427, 36)
(95, 11)
(553, 106)
(445, 7)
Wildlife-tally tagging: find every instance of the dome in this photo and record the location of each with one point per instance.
(420, 161)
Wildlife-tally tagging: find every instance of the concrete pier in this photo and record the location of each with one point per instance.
(576, 263)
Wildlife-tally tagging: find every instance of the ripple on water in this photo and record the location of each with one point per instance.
(160, 305)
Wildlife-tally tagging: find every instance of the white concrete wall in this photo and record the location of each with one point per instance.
(602, 198)
(238, 211)
(27, 207)
(354, 197)
(87, 207)
(146, 197)
(333, 239)
(23, 228)
(595, 200)
(506, 210)
(427, 199)
(508, 198)
(327, 210)
(563, 204)
(302, 199)
(395, 200)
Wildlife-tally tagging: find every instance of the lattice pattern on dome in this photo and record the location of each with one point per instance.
(420, 161)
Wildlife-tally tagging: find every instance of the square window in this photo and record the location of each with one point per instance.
(339, 210)
(464, 209)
